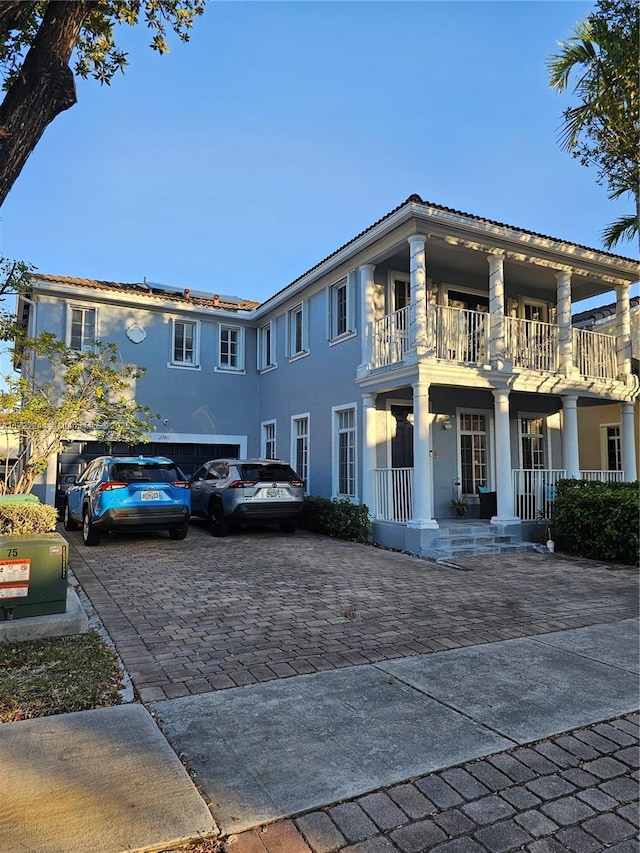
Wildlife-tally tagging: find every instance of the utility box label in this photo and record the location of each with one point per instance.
(14, 578)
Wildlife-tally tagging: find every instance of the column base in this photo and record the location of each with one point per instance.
(505, 520)
(423, 524)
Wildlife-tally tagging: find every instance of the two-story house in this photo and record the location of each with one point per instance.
(430, 357)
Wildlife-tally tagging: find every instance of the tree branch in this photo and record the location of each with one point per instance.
(43, 89)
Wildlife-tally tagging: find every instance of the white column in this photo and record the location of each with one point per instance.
(565, 329)
(369, 461)
(628, 442)
(504, 484)
(418, 307)
(367, 312)
(496, 343)
(623, 331)
(570, 456)
(422, 461)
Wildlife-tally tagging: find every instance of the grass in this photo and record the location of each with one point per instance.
(57, 675)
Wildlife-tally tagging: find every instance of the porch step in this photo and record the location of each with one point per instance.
(471, 540)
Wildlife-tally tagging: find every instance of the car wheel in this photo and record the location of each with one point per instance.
(288, 527)
(89, 535)
(67, 522)
(177, 533)
(219, 525)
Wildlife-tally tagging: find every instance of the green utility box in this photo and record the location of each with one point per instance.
(33, 574)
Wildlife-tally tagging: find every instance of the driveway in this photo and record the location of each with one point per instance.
(209, 614)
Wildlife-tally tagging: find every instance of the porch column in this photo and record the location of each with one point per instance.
(628, 442)
(570, 457)
(504, 484)
(565, 329)
(422, 516)
(367, 312)
(623, 331)
(369, 461)
(418, 309)
(496, 349)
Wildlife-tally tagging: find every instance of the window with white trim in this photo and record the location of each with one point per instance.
(341, 311)
(300, 448)
(231, 352)
(532, 455)
(611, 453)
(266, 347)
(269, 440)
(345, 452)
(297, 331)
(82, 329)
(473, 431)
(184, 346)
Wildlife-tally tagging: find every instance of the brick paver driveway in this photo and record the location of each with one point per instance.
(208, 614)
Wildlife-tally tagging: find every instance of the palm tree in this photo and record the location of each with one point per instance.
(602, 130)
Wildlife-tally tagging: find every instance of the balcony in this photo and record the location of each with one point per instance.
(461, 336)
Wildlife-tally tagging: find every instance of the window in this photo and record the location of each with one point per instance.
(300, 448)
(399, 291)
(297, 331)
(340, 308)
(231, 355)
(532, 443)
(269, 440)
(345, 450)
(474, 441)
(610, 445)
(82, 335)
(185, 343)
(266, 347)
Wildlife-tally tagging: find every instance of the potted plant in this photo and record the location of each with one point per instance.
(460, 506)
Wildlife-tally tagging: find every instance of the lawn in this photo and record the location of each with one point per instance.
(56, 675)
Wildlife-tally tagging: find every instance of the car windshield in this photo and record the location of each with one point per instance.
(146, 472)
(269, 473)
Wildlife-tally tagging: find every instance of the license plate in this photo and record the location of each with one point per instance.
(150, 495)
(274, 493)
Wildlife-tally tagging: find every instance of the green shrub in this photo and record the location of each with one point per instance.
(338, 518)
(19, 519)
(597, 520)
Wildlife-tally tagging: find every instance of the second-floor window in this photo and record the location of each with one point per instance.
(297, 323)
(82, 336)
(341, 320)
(185, 343)
(266, 347)
(231, 355)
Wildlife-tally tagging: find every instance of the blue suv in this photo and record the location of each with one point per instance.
(128, 493)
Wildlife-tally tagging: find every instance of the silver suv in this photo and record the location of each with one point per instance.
(247, 491)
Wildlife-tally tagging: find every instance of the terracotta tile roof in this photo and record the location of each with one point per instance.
(416, 199)
(150, 289)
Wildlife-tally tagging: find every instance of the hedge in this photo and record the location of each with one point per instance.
(20, 519)
(338, 518)
(597, 520)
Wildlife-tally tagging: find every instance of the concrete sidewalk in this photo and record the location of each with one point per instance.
(107, 781)
(280, 748)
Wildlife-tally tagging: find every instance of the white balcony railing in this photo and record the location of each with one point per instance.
(603, 476)
(393, 491)
(594, 354)
(460, 335)
(531, 344)
(390, 338)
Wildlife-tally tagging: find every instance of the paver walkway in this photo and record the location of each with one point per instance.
(209, 614)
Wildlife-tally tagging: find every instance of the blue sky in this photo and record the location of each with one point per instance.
(241, 159)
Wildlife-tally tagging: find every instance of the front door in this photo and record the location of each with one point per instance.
(402, 437)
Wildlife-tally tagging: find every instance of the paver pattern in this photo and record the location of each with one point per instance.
(576, 792)
(208, 614)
